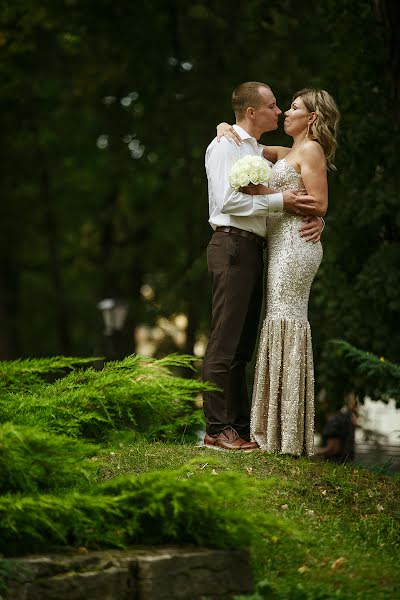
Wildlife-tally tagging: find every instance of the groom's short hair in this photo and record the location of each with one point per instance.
(245, 95)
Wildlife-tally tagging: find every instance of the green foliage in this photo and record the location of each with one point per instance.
(136, 392)
(187, 505)
(32, 460)
(24, 373)
(353, 370)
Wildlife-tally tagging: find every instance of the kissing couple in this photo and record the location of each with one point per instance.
(284, 214)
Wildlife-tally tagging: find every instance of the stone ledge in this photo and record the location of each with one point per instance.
(172, 573)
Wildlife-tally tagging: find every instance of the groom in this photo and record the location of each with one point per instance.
(235, 263)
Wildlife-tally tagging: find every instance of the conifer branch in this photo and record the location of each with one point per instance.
(365, 373)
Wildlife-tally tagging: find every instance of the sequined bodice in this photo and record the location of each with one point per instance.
(292, 261)
(285, 177)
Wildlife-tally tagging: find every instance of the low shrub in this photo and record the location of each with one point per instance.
(26, 372)
(32, 460)
(182, 506)
(137, 392)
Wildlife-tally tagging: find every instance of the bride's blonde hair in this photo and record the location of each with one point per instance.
(324, 129)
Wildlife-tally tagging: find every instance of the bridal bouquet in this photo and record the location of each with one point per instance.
(249, 169)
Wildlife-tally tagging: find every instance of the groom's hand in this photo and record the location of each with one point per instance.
(312, 229)
(299, 204)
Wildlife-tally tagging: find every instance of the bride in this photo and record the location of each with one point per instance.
(282, 414)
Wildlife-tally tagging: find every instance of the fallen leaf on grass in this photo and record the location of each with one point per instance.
(302, 569)
(338, 563)
(379, 507)
(323, 562)
(284, 506)
(214, 472)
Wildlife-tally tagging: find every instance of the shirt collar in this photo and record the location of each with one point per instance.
(243, 133)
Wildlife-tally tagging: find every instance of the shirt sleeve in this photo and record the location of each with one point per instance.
(220, 160)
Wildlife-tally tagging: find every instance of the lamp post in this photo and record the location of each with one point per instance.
(114, 314)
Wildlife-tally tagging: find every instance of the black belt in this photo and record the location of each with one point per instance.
(242, 232)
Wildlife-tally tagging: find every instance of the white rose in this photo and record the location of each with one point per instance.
(248, 169)
(254, 176)
(243, 179)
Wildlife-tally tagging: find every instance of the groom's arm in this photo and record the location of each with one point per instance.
(293, 202)
(219, 161)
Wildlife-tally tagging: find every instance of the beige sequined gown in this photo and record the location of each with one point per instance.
(282, 416)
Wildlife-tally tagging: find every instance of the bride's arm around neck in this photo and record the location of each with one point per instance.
(274, 153)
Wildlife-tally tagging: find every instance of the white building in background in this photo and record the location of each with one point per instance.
(382, 419)
(378, 435)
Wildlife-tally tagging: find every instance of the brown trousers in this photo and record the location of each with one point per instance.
(235, 264)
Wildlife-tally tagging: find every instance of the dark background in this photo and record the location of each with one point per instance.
(106, 109)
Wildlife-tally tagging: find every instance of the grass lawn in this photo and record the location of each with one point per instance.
(337, 533)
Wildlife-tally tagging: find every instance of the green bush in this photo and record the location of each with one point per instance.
(32, 460)
(24, 373)
(137, 392)
(182, 506)
(360, 372)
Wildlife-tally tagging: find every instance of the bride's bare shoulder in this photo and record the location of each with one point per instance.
(311, 149)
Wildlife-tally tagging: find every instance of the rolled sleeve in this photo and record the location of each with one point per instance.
(275, 202)
(220, 159)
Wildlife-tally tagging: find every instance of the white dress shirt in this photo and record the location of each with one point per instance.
(227, 206)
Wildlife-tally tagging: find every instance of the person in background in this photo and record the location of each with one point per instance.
(337, 443)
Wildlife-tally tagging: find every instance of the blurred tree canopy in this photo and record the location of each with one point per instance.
(106, 111)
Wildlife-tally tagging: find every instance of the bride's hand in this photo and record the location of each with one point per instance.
(224, 129)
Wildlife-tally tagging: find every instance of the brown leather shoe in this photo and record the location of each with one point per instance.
(229, 439)
(253, 445)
